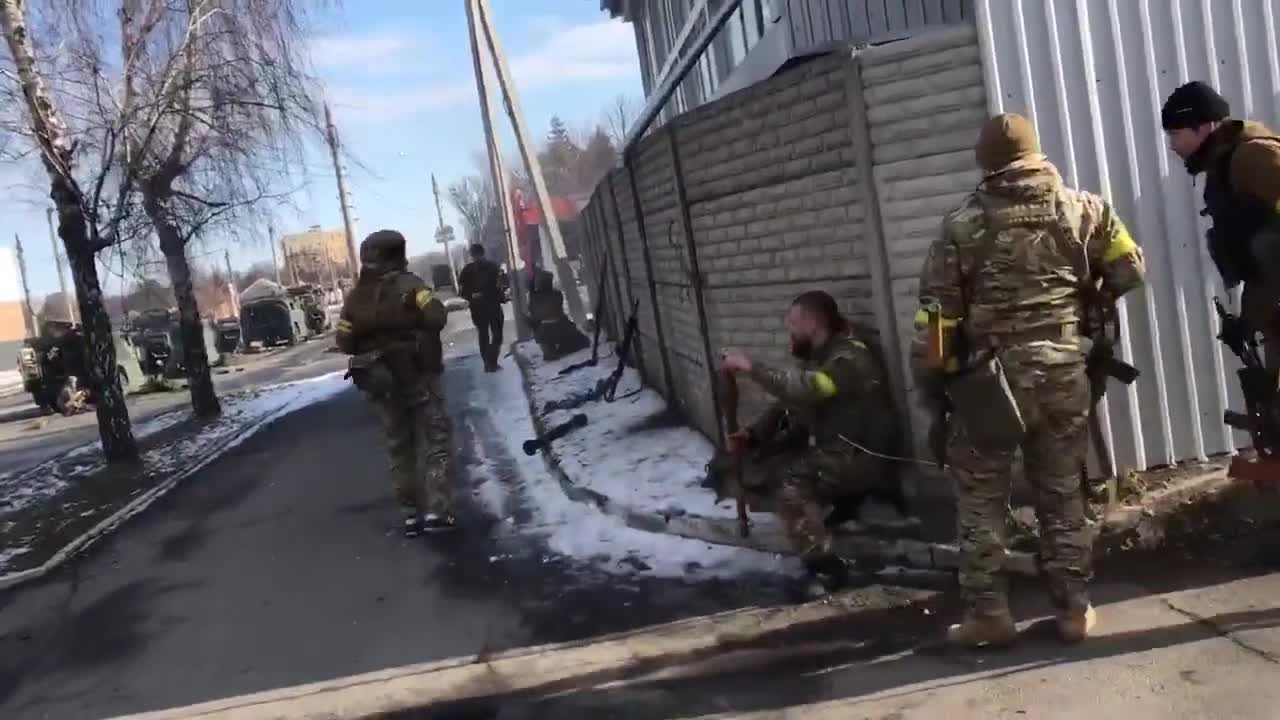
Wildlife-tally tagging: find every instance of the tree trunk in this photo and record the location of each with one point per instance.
(58, 157)
(204, 401)
(114, 426)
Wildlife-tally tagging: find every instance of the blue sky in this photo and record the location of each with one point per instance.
(399, 78)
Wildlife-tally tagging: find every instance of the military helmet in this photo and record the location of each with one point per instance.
(381, 247)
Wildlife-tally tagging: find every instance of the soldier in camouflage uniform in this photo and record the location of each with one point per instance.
(391, 326)
(830, 411)
(1009, 274)
(1241, 163)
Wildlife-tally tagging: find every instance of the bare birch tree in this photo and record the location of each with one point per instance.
(618, 117)
(231, 104)
(473, 198)
(58, 91)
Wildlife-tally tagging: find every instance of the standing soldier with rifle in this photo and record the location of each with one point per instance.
(479, 286)
(1241, 163)
(1004, 293)
(391, 325)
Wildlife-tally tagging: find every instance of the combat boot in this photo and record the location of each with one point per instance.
(827, 573)
(977, 630)
(1075, 625)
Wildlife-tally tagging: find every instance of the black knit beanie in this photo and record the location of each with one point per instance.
(1193, 105)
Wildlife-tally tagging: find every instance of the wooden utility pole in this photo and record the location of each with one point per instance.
(344, 199)
(275, 263)
(444, 234)
(28, 313)
(67, 297)
(552, 243)
(515, 265)
(231, 284)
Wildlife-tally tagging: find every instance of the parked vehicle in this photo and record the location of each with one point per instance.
(54, 366)
(158, 334)
(228, 335)
(312, 299)
(270, 317)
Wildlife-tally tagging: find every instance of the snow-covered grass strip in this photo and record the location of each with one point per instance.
(628, 451)
(581, 530)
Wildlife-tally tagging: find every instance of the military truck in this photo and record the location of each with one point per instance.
(269, 316)
(314, 306)
(54, 366)
(158, 335)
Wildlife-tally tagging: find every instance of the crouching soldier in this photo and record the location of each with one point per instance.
(391, 326)
(830, 433)
(554, 332)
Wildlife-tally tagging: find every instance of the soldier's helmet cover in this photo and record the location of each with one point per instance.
(382, 247)
(1004, 140)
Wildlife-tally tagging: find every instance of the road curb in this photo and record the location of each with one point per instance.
(543, 669)
(1128, 527)
(136, 506)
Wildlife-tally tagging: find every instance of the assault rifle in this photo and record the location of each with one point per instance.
(598, 317)
(1261, 418)
(1102, 325)
(610, 386)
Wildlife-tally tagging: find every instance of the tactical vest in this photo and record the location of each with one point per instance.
(385, 318)
(1236, 218)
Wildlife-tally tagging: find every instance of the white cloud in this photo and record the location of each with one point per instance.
(568, 54)
(366, 51)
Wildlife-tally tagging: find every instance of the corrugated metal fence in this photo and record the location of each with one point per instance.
(1092, 75)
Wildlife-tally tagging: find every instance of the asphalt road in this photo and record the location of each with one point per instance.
(281, 563)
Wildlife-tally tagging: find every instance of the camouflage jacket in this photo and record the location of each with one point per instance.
(843, 390)
(394, 311)
(1024, 251)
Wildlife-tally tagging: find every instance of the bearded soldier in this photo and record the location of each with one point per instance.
(1005, 288)
(391, 326)
(834, 427)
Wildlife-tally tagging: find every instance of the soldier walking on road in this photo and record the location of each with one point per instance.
(479, 285)
(837, 422)
(391, 326)
(1241, 163)
(1005, 288)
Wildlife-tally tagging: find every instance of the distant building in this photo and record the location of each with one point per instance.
(13, 311)
(316, 256)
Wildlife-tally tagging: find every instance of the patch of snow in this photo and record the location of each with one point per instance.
(580, 530)
(657, 468)
(10, 382)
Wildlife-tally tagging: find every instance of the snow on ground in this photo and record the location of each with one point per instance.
(657, 468)
(10, 382)
(243, 412)
(580, 530)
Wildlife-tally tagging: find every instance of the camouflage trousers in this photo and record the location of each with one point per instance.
(420, 448)
(1054, 401)
(805, 484)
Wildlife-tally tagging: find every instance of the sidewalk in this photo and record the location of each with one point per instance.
(635, 463)
(1204, 651)
(57, 508)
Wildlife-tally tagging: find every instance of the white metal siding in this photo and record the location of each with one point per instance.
(1092, 75)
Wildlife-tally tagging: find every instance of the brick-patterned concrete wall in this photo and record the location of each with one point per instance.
(772, 188)
(925, 104)
(633, 260)
(835, 174)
